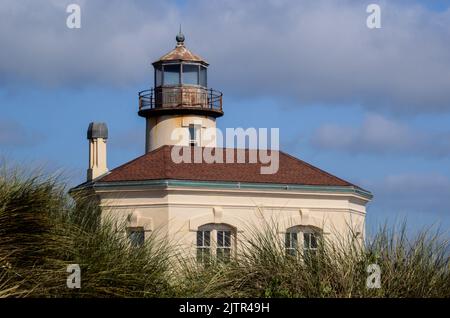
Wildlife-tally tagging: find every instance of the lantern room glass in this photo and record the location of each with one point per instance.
(158, 76)
(190, 74)
(172, 74)
(203, 77)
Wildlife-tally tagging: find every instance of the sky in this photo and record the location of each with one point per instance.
(371, 106)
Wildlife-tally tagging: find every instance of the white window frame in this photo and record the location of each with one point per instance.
(303, 234)
(291, 242)
(223, 246)
(203, 248)
(225, 249)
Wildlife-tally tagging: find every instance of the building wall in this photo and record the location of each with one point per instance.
(159, 130)
(177, 213)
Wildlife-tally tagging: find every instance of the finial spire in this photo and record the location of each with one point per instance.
(180, 37)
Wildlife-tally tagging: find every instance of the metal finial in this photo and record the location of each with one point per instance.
(180, 37)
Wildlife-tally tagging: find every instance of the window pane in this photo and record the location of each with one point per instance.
(294, 240)
(136, 237)
(203, 255)
(207, 238)
(219, 253)
(223, 254)
(291, 240)
(287, 240)
(227, 253)
(203, 81)
(191, 132)
(313, 240)
(306, 242)
(158, 76)
(199, 255)
(172, 74)
(199, 238)
(203, 238)
(190, 74)
(227, 238)
(220, 238)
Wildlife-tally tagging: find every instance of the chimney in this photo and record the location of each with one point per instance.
(97, 134)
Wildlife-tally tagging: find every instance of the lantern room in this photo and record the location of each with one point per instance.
(180, 86)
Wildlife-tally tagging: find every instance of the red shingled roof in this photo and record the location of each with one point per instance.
(158, 165)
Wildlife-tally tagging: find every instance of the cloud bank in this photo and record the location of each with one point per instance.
(303, 52)
(378, 135)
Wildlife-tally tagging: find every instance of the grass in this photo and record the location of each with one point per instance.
(42, 230)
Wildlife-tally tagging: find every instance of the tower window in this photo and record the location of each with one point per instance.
(194, 135)
(172, 74)
(136, 236)
(190, 74)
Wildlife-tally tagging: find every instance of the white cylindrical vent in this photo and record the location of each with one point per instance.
(97, 135)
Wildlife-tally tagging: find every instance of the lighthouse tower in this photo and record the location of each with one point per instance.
(180, 109)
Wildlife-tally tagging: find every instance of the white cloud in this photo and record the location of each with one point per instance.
(378, 135)
(14, 134)
(413, 193)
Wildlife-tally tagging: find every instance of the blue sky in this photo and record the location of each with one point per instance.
(371, 106)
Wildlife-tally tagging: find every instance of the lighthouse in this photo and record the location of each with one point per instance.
(180, 101)
(209, 207)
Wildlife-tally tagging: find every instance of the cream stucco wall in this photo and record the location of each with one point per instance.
(178, 212)
(160, 131)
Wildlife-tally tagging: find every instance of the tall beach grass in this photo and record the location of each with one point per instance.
(43, 230)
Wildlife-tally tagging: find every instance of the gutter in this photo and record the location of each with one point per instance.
(165, 183)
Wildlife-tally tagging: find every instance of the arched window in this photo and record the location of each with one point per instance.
(215, 240)
(301, 237)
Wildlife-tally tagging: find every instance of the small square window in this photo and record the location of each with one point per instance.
(194, 135)
(136, 236)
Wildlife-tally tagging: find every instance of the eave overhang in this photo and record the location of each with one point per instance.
(171, 183)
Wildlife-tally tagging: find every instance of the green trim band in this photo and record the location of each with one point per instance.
(228, 185)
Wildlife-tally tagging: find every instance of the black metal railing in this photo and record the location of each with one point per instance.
(180, 97)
